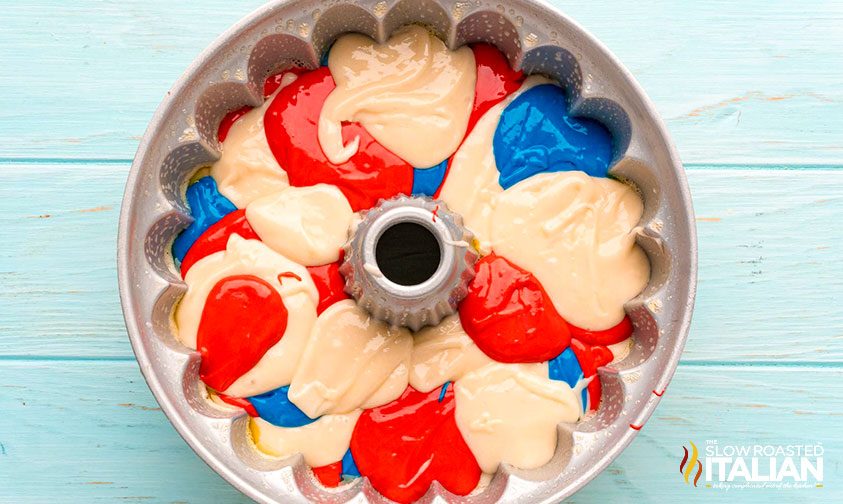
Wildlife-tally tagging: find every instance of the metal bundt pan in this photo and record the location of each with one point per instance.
(537, 39)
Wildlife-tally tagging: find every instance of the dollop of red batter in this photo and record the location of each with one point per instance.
(495, 80)
(608, 336)
(240, 402)
(329, 475)
(228, 121)
(329, 283)
(291, 124)
(231, 339)
(509, 315)
(215, 238)
(591, 352)
(270, 85)
(403, 446)
(590, 358)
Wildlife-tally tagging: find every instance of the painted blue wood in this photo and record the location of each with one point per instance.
(77, 431)
(751, 91)
(740, 82)
(58, 237)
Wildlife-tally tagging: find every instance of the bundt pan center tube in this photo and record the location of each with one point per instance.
(409, 262)
(536, 39)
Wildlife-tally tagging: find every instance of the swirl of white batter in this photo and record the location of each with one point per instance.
(471, 185)
(247, 170)
(322, 442)
(509, 413)
(576, 234)
(307, 224)
(412, 94)
(444, 353)
(352, 361)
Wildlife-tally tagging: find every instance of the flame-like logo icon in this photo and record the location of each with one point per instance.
(687, 466)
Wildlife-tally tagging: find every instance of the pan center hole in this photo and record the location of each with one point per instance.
(407, 253)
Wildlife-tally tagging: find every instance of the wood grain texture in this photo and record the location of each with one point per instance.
(737, 82)
(770, 243)
(82, 432)
(769, 249)
(58, 237)
(73, 432)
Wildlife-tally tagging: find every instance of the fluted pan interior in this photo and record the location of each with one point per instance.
(535, 38)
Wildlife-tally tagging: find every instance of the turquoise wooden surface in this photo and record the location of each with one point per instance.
(751, 91)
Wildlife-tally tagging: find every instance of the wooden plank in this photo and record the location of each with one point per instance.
(741, 82)
(57, 260)
(76, 431)
(91, 432)
(88, 75)
(770, 243)
(770, 253)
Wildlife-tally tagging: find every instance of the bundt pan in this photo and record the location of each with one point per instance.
(535, 38)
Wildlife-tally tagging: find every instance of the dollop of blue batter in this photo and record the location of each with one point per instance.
(536, 134)
(207, 206)
(323, 61)
(426, 181)
(349, 467)
(276, 408)
(443, 391)
(565, 367)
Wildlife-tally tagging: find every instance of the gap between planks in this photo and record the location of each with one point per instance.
(683, 363)
(749, 166)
